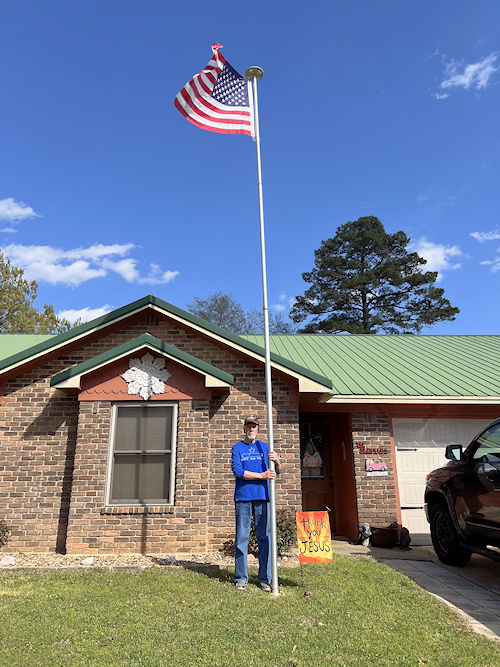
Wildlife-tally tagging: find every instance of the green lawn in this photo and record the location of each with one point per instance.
(358, 612)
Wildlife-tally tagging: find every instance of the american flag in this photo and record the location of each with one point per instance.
(218, 98)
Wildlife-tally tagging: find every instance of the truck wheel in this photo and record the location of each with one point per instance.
(445, 538)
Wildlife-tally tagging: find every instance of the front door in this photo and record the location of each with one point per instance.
(316, 467)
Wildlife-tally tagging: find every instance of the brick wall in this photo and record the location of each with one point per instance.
(376, 496)
(37, 443)
(44, 432)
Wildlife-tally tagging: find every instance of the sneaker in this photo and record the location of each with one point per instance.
(240, 586)
(264, 586)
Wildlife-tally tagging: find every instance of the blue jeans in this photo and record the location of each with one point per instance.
(244, 510)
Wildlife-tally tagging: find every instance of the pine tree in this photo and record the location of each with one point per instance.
(364, 281)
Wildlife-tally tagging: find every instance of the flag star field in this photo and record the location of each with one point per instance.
(231, 88)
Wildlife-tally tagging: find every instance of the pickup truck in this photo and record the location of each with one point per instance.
(462, 500)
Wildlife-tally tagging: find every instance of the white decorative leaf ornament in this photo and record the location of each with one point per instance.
(146, 376)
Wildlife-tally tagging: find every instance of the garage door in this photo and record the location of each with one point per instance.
(420, 445)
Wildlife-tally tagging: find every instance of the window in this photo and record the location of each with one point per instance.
(312, 446)
(488, 450)
(142, 454)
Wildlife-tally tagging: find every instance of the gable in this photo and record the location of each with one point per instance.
(309, 381)
(107, 370)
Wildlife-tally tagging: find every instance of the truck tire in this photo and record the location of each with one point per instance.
(445, 539)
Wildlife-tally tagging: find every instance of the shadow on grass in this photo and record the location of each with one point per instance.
(223, 574)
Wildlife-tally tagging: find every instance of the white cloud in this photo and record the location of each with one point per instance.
(73, 274)
(486, 236)
(281, 306)
(78, 265)
(84, 314)
(157, 276)
(493, 263)
(438, 256)
(48, 264)
(98, 250)
(13, 211)
(9, 230)
(127, 269)
(474, 76)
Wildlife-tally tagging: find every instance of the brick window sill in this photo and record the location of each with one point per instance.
(138, 509)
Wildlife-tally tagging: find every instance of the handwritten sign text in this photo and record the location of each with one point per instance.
(313, 537)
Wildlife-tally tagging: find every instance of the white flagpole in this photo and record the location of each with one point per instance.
(253, 74)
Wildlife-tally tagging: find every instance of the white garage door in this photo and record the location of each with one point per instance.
(420, 445)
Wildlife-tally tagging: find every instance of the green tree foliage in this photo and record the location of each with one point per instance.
(222, 309)
(365, 281)
(17, 312)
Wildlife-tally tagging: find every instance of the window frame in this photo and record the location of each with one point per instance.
(478, 444)
(111, 452)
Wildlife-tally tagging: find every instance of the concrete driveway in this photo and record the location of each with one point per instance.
(474, 590)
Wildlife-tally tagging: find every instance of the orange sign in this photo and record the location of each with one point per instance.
(313, 537)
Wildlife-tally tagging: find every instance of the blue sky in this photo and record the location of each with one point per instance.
(366, 108)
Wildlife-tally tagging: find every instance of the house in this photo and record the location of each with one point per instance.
(116, 435)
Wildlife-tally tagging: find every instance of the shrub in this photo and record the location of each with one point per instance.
(285, 535)
(286, 530)
(5, 532)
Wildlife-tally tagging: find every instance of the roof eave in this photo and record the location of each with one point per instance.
(409, 400)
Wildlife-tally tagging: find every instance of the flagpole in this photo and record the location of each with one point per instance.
(254, 74)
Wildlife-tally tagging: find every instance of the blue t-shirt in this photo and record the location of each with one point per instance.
(254, 458)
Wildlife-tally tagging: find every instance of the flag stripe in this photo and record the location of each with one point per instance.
(207, 101)
(210, 77)
(197, 88)
(198, 81)
(220, 124)
(186, 101)
(213, 127)
(204, 94)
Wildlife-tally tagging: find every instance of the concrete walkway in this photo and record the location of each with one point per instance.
(474, 590)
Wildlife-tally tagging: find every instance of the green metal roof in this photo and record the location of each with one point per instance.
(411, 365)
(137, 343)
(11, 344)
(354, 365)
(42, 347)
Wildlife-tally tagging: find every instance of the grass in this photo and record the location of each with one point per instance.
(358, 612)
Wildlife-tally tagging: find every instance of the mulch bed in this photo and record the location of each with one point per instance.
(54, 561)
